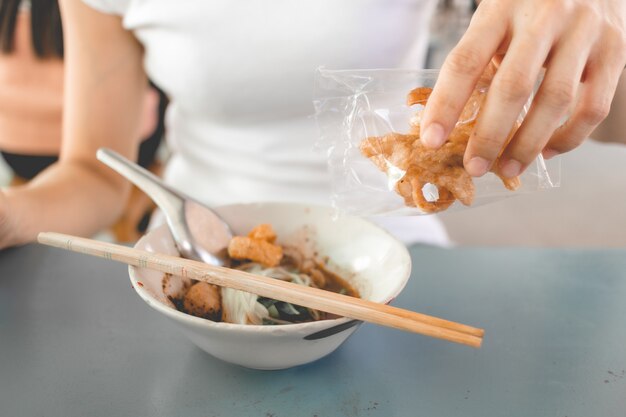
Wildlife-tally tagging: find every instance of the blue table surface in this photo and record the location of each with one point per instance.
(75, 340)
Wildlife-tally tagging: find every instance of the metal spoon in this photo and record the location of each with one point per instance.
(199, 233)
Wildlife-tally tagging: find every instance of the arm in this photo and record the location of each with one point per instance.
(582, 46)
(104, 88)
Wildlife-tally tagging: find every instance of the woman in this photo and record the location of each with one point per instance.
(239, 74)
(31, 96)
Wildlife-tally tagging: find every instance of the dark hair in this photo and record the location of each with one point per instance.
(45, 22)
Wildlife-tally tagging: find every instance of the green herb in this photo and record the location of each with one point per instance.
(273, 311)
(288, 309)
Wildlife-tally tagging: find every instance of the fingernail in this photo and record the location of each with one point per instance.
(549, 153)
(477, 166)
(433, 136)
(510, 168)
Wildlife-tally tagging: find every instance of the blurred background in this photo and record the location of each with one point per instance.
(588, 210)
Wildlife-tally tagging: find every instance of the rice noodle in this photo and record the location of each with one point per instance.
(243, 307)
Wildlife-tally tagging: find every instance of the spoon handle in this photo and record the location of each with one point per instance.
(170, 201)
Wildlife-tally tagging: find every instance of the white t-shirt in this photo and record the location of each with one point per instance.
(239, 74)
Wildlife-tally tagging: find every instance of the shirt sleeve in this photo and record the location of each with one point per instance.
(115, 7)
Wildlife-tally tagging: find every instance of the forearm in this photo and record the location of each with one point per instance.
(104, 88)
(69, 197)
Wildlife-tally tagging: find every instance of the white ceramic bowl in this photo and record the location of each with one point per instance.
(376, 263)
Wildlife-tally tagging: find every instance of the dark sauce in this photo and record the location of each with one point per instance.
(337, 284)
(331, 282)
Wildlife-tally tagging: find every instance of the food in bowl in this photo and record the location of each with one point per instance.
(258, 253)
(373, 261)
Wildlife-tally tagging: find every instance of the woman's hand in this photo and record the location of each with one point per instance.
(7, 223)
(4, 220)
(581, 44)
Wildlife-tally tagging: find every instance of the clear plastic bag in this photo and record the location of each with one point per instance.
(357, 105)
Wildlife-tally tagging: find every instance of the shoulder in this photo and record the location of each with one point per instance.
(116, 7)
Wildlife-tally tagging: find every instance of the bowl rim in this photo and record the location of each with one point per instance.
(311, 326)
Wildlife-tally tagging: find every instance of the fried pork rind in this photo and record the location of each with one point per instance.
(203, 300)
(263, 232)
(258, 247)
(393, 150)
(418, 95)
(441, 168)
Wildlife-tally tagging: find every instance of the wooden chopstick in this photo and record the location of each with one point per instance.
(314, 298)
